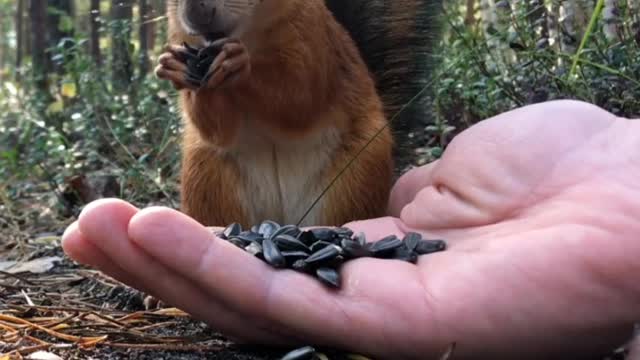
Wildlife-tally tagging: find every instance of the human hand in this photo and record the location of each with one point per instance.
(537, 206)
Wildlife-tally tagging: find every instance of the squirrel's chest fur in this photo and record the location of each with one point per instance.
(281, 179)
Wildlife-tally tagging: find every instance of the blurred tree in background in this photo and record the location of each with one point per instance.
(82, 116)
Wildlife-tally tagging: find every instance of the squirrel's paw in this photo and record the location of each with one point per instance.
(230, 67)
(172, 67)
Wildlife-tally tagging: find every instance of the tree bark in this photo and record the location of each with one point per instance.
(58, 12)
(95, 32)
(611, 20)
(122, 67)
(470, 17)
(19, 38)
(145, 11)
(38, 16)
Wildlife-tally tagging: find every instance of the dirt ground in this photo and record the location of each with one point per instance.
(67, 310)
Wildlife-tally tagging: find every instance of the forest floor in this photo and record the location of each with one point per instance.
(53, 308)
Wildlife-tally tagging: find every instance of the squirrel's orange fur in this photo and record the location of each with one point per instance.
(266, 148)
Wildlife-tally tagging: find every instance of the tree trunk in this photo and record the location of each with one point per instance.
(569, 37)
(470, 17)
(59, 14)
(611, 20)
(19, 38)
(145, 11)
(122, 67)
(553, 24)
(38, 16)
(538, 18)
(3, 45)
(95, 32)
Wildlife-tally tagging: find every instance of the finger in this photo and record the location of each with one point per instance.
(178, 51)
(233, 49)
(284, 298)
(408, 185)
(170, 62)
(235, 63)
(234, 70)
(179, 79)
(84, 252)
(214, 77)
(239, 76)
(105, 225)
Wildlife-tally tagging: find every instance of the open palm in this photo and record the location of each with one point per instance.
(538, 207)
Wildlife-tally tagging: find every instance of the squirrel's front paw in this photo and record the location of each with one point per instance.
(172, 66)
(231, 66)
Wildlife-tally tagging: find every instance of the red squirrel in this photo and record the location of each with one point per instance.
(286, 104)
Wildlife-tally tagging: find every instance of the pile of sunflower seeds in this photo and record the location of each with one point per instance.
(321, 251)
(198, 62)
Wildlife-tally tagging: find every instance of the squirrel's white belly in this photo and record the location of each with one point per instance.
(282, 179)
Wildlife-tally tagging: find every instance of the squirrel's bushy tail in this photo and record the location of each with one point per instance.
(396, 39)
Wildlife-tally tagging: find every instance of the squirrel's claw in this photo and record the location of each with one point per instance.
(231, 66)
(171, 67)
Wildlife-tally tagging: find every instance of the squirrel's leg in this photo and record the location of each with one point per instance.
(362, 191)
(209, 185)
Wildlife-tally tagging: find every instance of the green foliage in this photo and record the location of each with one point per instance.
(478, 81)
(82, 126)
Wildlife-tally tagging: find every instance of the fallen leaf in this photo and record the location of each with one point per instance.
(43, 355)
(5, 265)
(36, 266)
(68, 90)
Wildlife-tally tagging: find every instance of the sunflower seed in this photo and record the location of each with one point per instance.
(354, 249)
(304, 353)
(272, 255)
(319, 245)
(231, 230)
(328, 276)
(295, 255)
(324, 255)
(411, 240)
(430, 246)
(404, 254)
(307, 237)
(290, 230)
(288, 242)
(343, 232)
(324, 234)
(249, 236)
(254, 249)
(361, 238)
(301, 265)
(267, 228)
(384, 246)
(237, 242)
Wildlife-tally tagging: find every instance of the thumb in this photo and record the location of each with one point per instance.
(408, 185)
